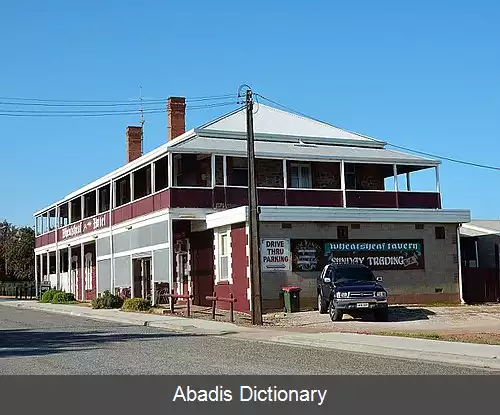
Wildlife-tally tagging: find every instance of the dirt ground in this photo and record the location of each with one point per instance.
(442, 319)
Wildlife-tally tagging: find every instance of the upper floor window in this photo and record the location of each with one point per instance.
(239, 172)
(350, 176)
(300, 175)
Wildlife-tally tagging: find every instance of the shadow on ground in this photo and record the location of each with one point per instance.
(402, 314)
(23, 343)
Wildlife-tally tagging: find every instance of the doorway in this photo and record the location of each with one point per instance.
(73, 276)
(182, 272)
(142, 277)
(202, 254)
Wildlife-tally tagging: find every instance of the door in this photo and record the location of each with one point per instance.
(146, 277)
(88, 275)
(326, 286)
(202, 266)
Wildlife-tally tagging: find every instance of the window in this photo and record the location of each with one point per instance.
(122, 190)
(239, 172)
(76, 210)
(440, 232)
(350, 176)
(419, 226)
(300, 176)
(161, 174)
(142, 182)
(342, 232)
(177, 170)
(89, 204)
(104, 199)
(223, 265)
(355, 226)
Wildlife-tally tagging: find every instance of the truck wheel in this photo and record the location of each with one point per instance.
(335, 314)
(382, 314)
(322, 305)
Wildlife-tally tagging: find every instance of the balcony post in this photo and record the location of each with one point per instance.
(170, 169)
(48, 265)
(82, 270)
(152, 181)
(82, 206)
(224, 169)
(285, 180)
(132, 196)
(395, 171)
(408, 184)
(212, 171)
(342, 182)
(97, 201)
(36, 275)
(438, 186)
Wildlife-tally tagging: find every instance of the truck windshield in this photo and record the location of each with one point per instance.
(354, 274)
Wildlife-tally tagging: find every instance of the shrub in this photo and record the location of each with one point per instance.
(48, 295)
(107, 300)
(63, 298)
(136, 304)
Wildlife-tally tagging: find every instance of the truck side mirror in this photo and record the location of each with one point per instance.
(379, 279)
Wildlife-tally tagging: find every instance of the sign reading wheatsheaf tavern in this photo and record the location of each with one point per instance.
(313, 255)
(391, 254)
(275, 254)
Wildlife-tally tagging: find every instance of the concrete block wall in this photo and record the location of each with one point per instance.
(437, 282)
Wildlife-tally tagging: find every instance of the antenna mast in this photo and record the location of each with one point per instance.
(141, 111)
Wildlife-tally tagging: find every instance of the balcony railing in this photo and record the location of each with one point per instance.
(229, 197)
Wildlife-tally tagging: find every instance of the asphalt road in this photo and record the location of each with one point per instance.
(33, 343)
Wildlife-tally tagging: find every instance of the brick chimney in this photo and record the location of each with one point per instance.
(134, 143)
(176, 109)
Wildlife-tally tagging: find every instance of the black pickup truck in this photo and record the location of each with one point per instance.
(351, 289)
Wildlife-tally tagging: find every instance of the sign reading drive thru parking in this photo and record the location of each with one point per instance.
(275, 254)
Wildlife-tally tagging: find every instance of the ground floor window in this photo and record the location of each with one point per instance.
(223, 255)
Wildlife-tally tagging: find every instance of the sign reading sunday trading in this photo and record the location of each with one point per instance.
(312, 254)
(377, 254)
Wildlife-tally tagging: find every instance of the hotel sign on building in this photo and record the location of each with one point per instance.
(389, 254)
(83, 227)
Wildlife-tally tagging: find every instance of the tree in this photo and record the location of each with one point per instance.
(4, 232)
(17, 252)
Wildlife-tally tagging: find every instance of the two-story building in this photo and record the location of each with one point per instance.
(176, 217)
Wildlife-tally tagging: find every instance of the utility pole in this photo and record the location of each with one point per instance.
(253, 219)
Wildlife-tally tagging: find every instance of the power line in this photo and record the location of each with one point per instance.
(468, 163)
(90, 113)
(85, 103)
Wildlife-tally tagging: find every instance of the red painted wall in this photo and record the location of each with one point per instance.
(239, 272)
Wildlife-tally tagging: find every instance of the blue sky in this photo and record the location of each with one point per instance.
(424, 75)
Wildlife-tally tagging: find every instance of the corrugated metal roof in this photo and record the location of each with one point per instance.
(481, 228)
(493, 225)
(275, 149)
(273, 121)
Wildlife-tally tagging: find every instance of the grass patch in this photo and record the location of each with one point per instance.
(478, 338)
